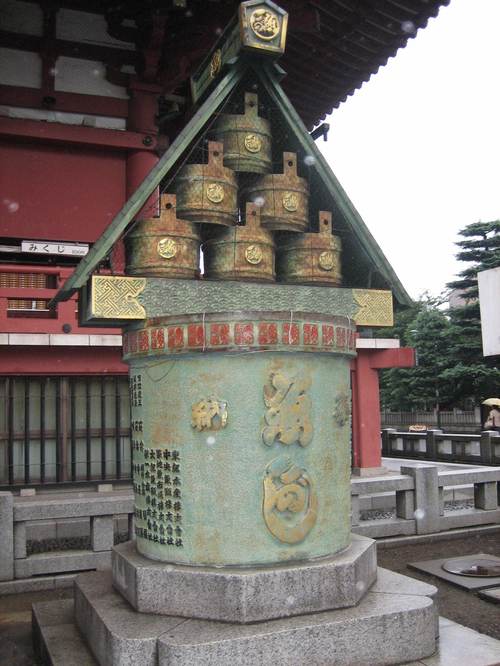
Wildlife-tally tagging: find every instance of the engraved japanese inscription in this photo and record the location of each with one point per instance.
(290, 505)
(209, 414)
(288, 415)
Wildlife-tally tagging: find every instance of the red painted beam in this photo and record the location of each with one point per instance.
(61, 361)
(402, 357)
(91, 136)
(65, 102)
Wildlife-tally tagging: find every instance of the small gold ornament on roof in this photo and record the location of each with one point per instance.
(290, 201)
(215, 192)
(253, 254)
(265, 24)
(253, 143)
(326, 260)
(167, 248)
(215, 63)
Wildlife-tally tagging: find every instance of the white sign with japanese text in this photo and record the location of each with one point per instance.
(64, 249)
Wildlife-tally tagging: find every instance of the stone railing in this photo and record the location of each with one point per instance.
(483, 449)
(18, 514)
(419, 493)
(418, 497)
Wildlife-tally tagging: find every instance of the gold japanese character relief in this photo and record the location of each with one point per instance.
(288, 416)
(209, 414)
(290, 504)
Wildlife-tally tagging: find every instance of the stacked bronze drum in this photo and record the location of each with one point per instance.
(250, 230)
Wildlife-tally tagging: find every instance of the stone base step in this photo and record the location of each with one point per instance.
(395, 621)
(56, 639)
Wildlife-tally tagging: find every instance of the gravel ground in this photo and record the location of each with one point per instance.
(463, 607)
(453, 602)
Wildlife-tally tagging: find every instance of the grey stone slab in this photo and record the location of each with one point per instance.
(491, 595)
(40, 530)
(72, 527)
(56, 639)
(38, 584)
(245, 595)
(468, 518)
(73, 505)
(390, 582)
(19, 541)
(7, 536)
(434, 568)
(60, 562)
(384, 628)
(427, 514)
(485, 495)
(386, 527)
(101, 532)
(116, 633)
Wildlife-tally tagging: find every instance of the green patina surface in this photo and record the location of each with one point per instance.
(162, 298)
(221, 472)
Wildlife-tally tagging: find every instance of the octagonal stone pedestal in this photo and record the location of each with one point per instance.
(242, 595)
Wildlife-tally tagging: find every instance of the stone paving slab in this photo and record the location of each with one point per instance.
(434, 567)
(491, 595)
(461, 646)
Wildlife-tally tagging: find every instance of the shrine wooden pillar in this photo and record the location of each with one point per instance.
(372, 355)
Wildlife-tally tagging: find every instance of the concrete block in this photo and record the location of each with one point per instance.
(441, 500)
(101, 532)
(485, 496)
(245, 595)
(27, 492)
(384, 501)
(405, 504)
(384, 628)
(39, 530)
(36, 339)
(60, 562)
(55, 637)
(104, 487)
(435, 568)
(492, 595)
(7, 536)
(355, 510)
(72, 527)
(19, 540)
(426, 497)
(105, 340)
(69, 340)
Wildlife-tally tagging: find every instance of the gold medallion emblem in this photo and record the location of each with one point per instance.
(215, 64)
(167, 248)
(326, 260)
(215, 192)
(265, 24)
(290, 201)
(253, 143)
(253, 254)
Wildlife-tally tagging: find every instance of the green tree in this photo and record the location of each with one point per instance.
(426, 328)
(473, 375)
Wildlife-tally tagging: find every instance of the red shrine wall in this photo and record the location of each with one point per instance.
(63, 193)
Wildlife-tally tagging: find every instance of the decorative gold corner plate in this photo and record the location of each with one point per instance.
(116, 297)
(263, 26)
(375, 307)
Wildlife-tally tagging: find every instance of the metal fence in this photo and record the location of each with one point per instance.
(64, 429)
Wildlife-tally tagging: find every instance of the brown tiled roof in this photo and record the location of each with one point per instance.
(351, 40)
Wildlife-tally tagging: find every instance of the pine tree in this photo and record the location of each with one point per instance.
(474, 375)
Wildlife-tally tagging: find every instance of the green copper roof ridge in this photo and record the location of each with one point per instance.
(325, 172)
(134, 203)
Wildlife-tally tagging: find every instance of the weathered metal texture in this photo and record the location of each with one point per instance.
(244, 252)
(312, 258)
(164, 246)
(207, 193)
(235, 459)
(246, 138)
(283, 198)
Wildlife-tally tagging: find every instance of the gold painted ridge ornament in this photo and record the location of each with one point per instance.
(215, 192)
(167, 248)
(253, 143)
(116, 297)
(374, 307)
(209, 414)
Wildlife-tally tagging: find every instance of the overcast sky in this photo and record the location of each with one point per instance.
(418, 147)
